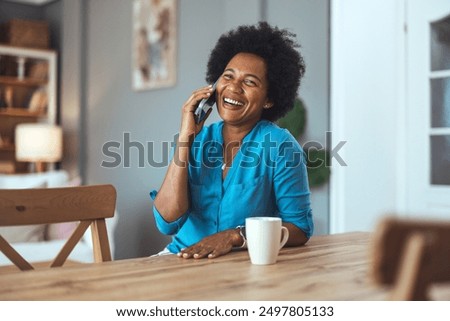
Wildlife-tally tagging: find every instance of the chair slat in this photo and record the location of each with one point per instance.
(14, 256)
(55, 205)
(413, 278)
(70, 244)
(102, 252)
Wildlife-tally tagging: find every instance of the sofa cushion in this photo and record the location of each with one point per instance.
(26, 233)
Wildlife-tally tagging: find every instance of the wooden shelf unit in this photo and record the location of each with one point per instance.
(28, 76)
(26, 82)
(20, 112)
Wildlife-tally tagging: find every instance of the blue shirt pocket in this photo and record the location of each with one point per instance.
(250, 198)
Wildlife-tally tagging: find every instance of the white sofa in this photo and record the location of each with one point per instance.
(42, 243)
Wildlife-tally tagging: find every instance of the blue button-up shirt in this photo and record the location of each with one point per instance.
(268, 177)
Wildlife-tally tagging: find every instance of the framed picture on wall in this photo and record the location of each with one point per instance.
(154, 44)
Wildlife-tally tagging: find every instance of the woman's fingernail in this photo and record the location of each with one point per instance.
(196, 256)
(185, 255)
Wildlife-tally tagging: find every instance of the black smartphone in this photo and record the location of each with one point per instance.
(205, 106)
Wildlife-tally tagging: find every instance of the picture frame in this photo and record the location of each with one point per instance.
(154, 44)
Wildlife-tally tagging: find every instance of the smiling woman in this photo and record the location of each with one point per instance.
(258, 169)
(242, 91)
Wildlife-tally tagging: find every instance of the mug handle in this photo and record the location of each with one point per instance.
(285, 234)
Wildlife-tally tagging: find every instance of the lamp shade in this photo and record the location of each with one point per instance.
(38, 143)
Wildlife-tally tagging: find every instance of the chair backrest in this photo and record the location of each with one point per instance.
(411, 254)
(89, 205)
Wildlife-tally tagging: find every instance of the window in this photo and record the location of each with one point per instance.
(440, 102)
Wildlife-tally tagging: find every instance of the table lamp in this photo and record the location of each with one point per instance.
(39, 144)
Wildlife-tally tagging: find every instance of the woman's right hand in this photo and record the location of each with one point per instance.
(188, 125)
(172, 200)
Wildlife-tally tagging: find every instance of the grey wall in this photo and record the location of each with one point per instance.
(10, 10)
(309, 19)
(72, 85)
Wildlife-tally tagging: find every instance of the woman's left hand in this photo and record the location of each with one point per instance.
(213, 246)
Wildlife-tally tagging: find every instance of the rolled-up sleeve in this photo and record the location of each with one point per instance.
(291, 187)
(168, 228)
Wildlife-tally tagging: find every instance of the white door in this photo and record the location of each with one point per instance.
(428, 108)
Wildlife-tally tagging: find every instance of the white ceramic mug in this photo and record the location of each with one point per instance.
(264, 239)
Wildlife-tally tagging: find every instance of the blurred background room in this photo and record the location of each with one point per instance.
(376, 95)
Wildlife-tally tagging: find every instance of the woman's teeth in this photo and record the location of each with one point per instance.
(233, 102)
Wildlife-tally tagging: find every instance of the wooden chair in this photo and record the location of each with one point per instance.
(89, 205)
(410, 255)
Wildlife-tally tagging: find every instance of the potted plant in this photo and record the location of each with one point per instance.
(317, 159)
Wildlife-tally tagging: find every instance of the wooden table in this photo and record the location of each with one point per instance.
(332, 267)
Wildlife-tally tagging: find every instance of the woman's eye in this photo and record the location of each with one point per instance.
(250, 82)
(227, 76)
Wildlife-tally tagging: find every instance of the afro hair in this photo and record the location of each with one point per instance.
(285, 65)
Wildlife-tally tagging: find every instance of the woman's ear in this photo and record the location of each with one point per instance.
(268, 105)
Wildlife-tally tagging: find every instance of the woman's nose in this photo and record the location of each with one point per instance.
(235, 86)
